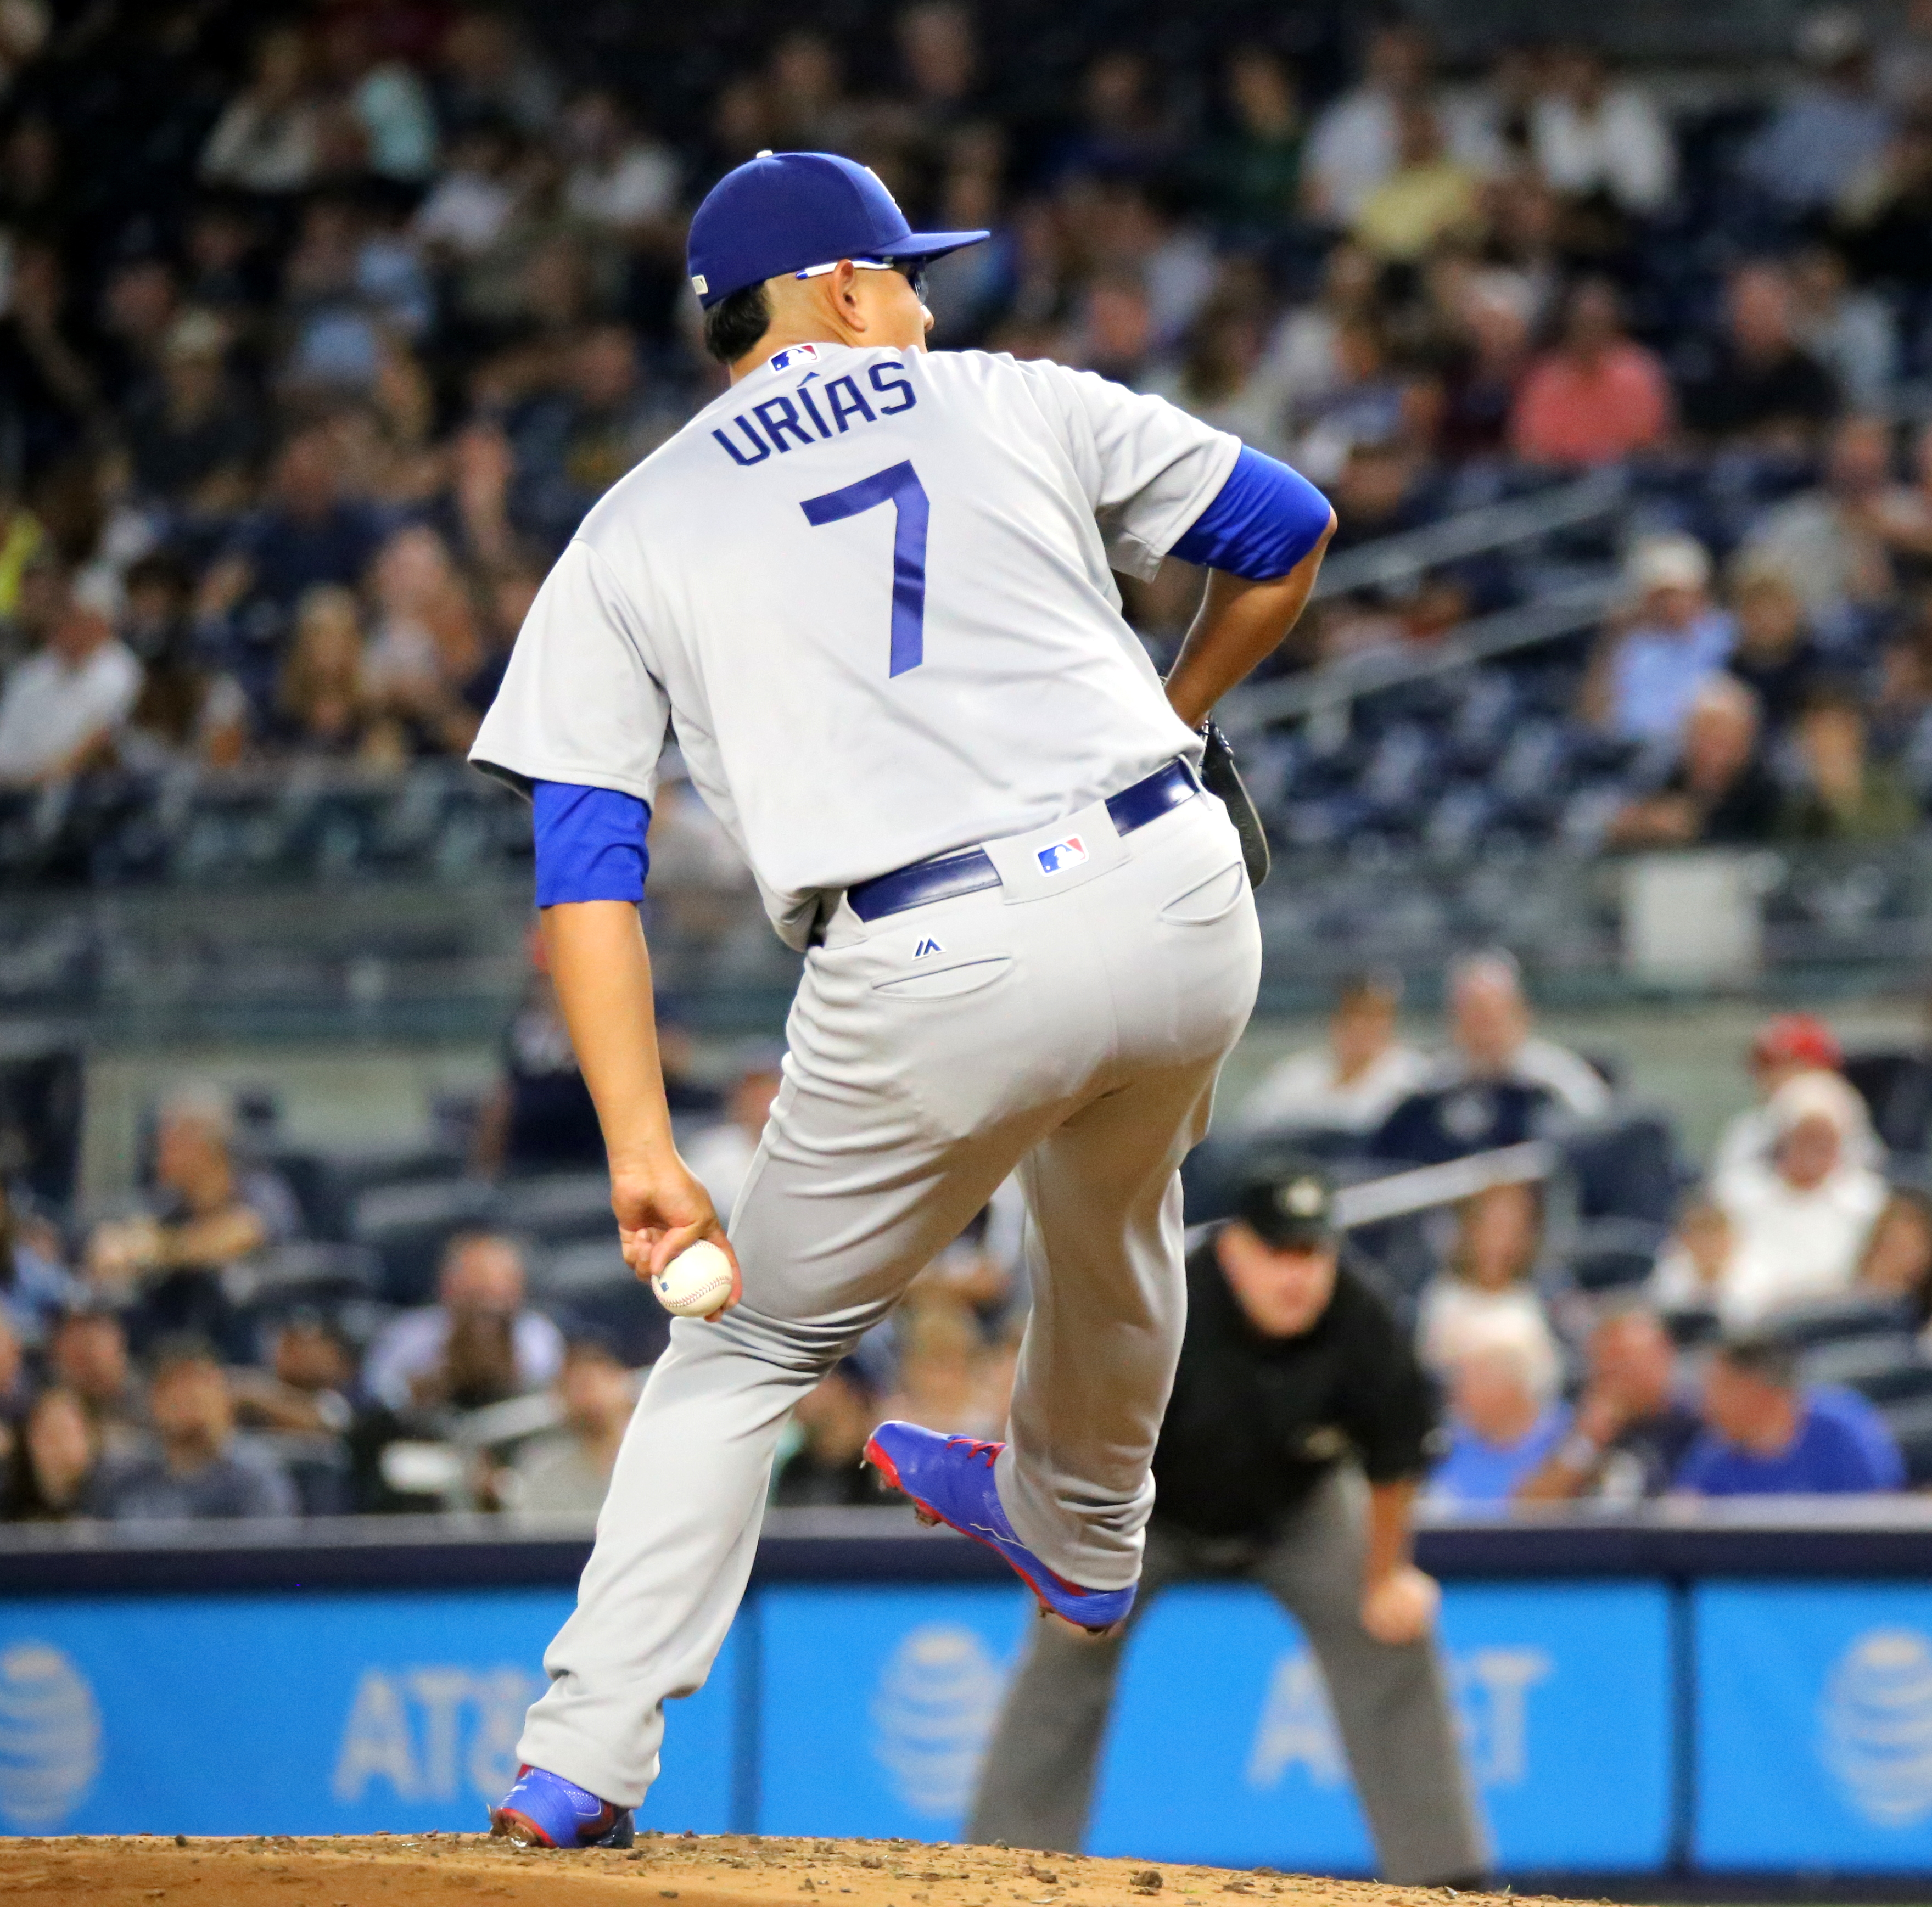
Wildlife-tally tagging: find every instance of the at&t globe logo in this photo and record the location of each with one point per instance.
(937, 1698)
(1875, 1715)
(50, 1737)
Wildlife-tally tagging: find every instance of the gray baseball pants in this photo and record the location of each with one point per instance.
(1391, 1704)
(1070, 1026)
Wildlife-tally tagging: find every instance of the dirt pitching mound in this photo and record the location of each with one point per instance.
(722, 1870)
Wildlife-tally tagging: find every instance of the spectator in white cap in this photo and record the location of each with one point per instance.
(1797, 1222)
(1675, 639)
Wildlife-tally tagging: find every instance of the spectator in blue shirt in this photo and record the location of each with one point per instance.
(1767, 1435)
(1504, 1422)
(1645, 680)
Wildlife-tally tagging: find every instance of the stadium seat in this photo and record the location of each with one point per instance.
(1626, 1166)
(1613, 1254)
(557, 1205)
(1840, 1320)
(1897, 1087)
(1885, 1369)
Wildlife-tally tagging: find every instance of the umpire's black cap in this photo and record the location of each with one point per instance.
(1290, 1203)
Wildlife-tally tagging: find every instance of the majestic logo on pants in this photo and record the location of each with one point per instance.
(1062, 855)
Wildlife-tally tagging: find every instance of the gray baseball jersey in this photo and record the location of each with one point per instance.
(872, 589)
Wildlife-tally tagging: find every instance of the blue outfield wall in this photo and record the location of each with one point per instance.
(1635, 1697)
(864, 1711)
(1814, 1727)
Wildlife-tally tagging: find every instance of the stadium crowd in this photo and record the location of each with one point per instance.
(1601, 1323)
(319, 332)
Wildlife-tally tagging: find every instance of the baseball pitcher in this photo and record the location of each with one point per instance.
(871, 588)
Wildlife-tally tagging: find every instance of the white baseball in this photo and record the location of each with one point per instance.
(695, 1282)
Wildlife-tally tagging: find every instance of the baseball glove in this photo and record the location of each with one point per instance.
(1220, 777)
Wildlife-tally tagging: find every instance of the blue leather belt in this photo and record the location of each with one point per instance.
(947, 876)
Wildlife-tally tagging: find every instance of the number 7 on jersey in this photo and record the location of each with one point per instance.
(900, 486)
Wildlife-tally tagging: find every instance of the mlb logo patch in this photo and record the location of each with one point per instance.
(797, 354)
(1062, 855)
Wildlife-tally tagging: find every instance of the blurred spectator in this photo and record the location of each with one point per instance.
(1492, 1038)
(1760, 387)
(1830, 126)
(945, 1376)
(446, 1352)
(1355, 142)
(1850, 332)
(1312, 355)
(1787, 1045)
(1885, 216)
(1842, 794)
(1798, 1223)
(1427, 195)
(207, 1212)
(87, 1355)
(1505, 1418)
(1644, 679)
(324, 704)
(619, 179)
(1590, 136)
(1598, 396)
(1251, 172)
(832, 1422)
(193, 438)
(35, 1290)
(565, 1472)
(1829, 540)
(307, 1385)
(267, 139)
(1632, 1425)
(467, 209)
(55, 1458)
(186, 712)
(1767, 1435)
(201, 1469)
(540, 1116)
(1353, 1083)
(1718, 792)
(309, 533)
(423, 644)
(1490, 1275)
(1773, 653)
(60, 708)
(572, 446)
(720, 1156)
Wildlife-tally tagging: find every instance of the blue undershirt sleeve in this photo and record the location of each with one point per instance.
(590, 844)
(1265, 519)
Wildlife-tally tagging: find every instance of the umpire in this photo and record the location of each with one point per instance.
(1299, 1427)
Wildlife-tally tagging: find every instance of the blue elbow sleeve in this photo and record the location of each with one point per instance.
(590, 844)
(1265, 520)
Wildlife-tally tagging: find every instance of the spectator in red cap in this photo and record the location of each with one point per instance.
(1786, 1045)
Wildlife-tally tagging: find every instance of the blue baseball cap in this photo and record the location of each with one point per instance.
(787, 211)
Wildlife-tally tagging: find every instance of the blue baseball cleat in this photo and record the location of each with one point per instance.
(543, 1810)
(950, 1481)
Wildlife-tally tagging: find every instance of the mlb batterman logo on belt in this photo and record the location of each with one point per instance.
(1062, 855)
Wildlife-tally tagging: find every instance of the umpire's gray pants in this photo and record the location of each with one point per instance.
(1392, 1704)
(1068, 1026)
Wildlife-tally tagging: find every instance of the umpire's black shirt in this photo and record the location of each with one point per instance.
(1256, 1423)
